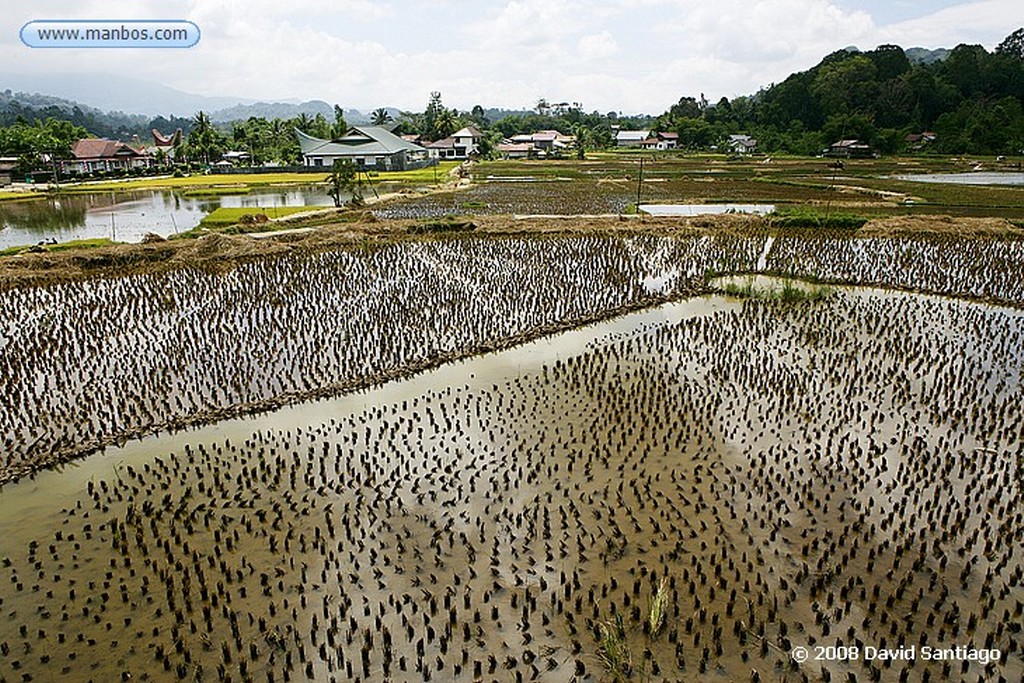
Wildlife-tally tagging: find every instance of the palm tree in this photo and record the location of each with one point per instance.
(380, 117)
(584, 139)
(201, 139)
(304, 122)
(444, 124)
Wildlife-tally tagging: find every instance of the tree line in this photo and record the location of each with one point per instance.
(971, 100)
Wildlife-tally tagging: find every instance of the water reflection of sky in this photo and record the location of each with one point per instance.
(974, 178)
(128, 216)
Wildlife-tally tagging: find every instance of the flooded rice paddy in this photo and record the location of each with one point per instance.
(686, 492)
(129, 216)
(772, 476)
(88, 363)
(974, 178)
(704, 209)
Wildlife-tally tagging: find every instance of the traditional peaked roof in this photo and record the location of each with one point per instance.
(467, 132)
(357, 140)
(161, 140)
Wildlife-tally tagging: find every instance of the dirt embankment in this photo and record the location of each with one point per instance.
(221, 251)
(944, 226)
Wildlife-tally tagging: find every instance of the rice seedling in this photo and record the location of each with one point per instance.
(614, 651)
(657, 609)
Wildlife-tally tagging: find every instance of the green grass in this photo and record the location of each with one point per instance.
(225, 216)
(816, 217)
(242, 180)
(790, 291)
(63, 246)
(420, 175)
(10, 196)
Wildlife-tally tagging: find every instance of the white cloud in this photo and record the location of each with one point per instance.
(597, 46)
(629, 55)
(986, 22)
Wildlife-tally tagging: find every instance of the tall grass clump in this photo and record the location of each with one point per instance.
(788, 291)
(656, 611)
(614, 650)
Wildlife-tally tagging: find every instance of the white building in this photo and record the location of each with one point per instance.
(460, 145)
(631, 138)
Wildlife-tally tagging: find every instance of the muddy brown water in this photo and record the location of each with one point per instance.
(837, 472)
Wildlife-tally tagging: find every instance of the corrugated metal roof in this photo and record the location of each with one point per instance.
(357, 141)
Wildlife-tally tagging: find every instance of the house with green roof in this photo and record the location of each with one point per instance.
(370, 148)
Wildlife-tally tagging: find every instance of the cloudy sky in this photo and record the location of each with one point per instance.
(624, 55)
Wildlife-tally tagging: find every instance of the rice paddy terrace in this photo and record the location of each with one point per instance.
(516, 456)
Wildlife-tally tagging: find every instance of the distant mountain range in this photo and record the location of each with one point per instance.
(117, 94)
(133, 96)
(125, 100)
(285, 110)
(920, 55)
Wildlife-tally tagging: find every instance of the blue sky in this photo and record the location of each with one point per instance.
(624, 55)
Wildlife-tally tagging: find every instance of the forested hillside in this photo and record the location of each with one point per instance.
(971, 99)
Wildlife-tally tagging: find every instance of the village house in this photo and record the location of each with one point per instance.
(7, 167)
(631, 138)
(368, 147)
(661, 141)
(235, 158)
(543, 143)
(850, 149)
(516, 150)
(918, 141)
(741, 144)
(90, 155)
(462, 144)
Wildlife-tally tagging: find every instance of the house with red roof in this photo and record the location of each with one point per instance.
(460, 145)
(661, 141)
(543, 143)
(100, 154)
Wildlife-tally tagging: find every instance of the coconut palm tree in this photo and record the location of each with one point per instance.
(202, 139)
(380, 117)
(584, 139)
(444, 124)
(304, 122)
